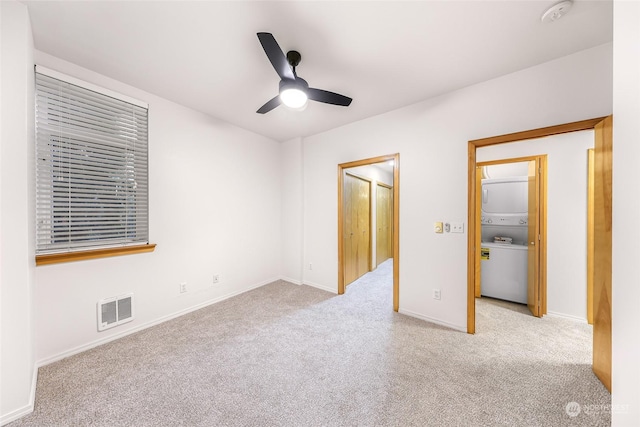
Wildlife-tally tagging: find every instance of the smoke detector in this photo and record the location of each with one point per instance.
(556, 11)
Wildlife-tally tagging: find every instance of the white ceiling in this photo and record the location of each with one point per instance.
(384, 54)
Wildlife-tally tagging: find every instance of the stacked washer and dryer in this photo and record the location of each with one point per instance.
(503, 265)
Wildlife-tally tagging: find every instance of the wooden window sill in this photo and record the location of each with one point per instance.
(93, 254)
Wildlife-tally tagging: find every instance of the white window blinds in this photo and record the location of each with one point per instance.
(91, 169)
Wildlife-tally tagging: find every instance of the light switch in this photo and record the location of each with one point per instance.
(437, 227)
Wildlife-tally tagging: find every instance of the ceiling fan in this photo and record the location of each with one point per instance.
(294, 91)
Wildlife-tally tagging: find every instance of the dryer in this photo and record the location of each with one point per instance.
(505, 196)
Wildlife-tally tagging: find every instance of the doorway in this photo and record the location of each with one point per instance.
(602, 127)
(345, 186)
(520, 276)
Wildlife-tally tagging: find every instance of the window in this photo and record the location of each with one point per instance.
(91, 167)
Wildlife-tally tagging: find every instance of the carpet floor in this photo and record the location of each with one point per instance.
(288, 355)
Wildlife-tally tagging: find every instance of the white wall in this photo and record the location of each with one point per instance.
(626, 214)
(566, 214)
(431, 138)
(17, 373)
(215, 208)
(291, 221)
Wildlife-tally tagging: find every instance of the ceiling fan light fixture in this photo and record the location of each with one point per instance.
(294, 97)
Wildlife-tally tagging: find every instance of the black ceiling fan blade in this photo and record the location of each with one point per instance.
(328, 97)
(276, 56)
(270, 105)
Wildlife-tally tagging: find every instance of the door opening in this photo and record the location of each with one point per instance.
(347, 213)
(510, 229)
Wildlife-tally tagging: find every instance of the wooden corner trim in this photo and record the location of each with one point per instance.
(93, 254)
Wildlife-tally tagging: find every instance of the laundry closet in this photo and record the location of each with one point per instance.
(504, 227)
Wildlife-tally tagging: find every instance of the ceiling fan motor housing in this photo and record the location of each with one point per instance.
(294, 57)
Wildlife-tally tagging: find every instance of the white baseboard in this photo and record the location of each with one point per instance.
(290, 280)
(146, 325)
(432, 320)
(28, 408)
(323, 287)
(566, 316)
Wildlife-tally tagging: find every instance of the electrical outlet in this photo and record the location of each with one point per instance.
(436, 294)
(457, 227)
(216, 278)
(183, 287)
(437, 227)
(447, 227)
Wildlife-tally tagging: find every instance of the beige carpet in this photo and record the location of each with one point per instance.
(287, 355)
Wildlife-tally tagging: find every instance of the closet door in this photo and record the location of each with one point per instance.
(384, 231)
(357, 235)
(350, 230)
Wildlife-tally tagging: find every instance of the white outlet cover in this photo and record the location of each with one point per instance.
(457, 227)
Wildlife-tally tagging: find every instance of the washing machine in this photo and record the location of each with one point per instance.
(503, 271)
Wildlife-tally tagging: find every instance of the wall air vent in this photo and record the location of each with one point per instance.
(115, 311)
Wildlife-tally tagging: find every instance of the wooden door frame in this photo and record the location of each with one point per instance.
(473, 145)
(602, 256)
(541, 160)
(590, 231)
(396, 220)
